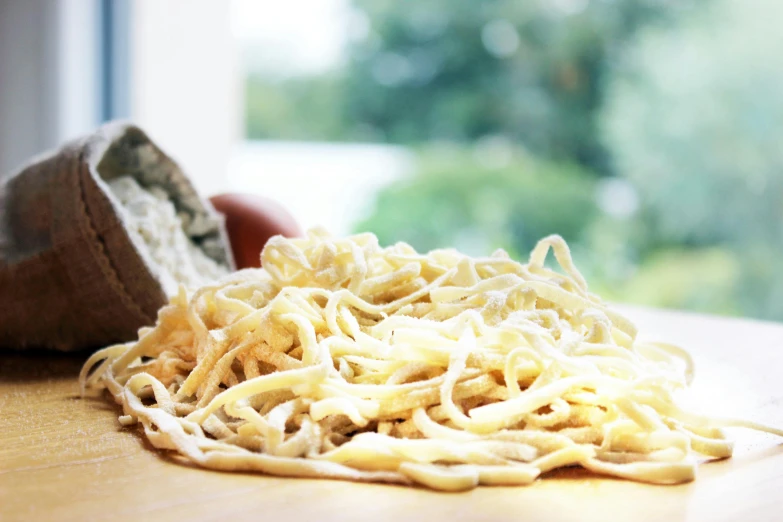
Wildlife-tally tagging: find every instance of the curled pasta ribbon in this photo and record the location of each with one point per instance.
(341, 359)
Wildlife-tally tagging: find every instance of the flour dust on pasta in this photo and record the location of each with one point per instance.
(341, 359)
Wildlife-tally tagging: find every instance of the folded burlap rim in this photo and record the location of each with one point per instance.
(71, 276)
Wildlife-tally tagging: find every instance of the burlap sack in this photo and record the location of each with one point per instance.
(71, 276)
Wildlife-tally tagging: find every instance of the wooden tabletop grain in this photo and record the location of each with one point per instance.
(67, 458)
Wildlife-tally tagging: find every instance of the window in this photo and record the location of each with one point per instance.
(646, 132)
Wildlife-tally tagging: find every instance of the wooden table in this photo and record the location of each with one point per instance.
(67, 458)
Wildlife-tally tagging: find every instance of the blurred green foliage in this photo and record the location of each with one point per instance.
(456, 200)
(694, 120)
(457, 70)
(693, 279)
(293, 109)
(646, 132)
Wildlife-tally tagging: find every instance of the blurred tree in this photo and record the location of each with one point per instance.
(690, 121)
(458, 198)
(694, 120)
(461, 199)
(457, 70)
(703, 279)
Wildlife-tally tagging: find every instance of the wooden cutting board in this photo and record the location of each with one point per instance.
(67, 458)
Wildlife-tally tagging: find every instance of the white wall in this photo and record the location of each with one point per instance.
(76, 59)
(185, 85)
(29, 121)
(186, 88)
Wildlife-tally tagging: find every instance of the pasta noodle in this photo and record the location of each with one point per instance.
(342, 359)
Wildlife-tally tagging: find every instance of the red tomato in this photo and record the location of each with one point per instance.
(250, 222)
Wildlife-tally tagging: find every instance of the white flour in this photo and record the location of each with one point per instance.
(153, 224)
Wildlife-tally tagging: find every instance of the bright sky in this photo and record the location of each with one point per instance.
(289, 37)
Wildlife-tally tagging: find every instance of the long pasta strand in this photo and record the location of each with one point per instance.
(341, 359)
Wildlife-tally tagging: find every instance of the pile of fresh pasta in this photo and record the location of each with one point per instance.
(341, 359)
